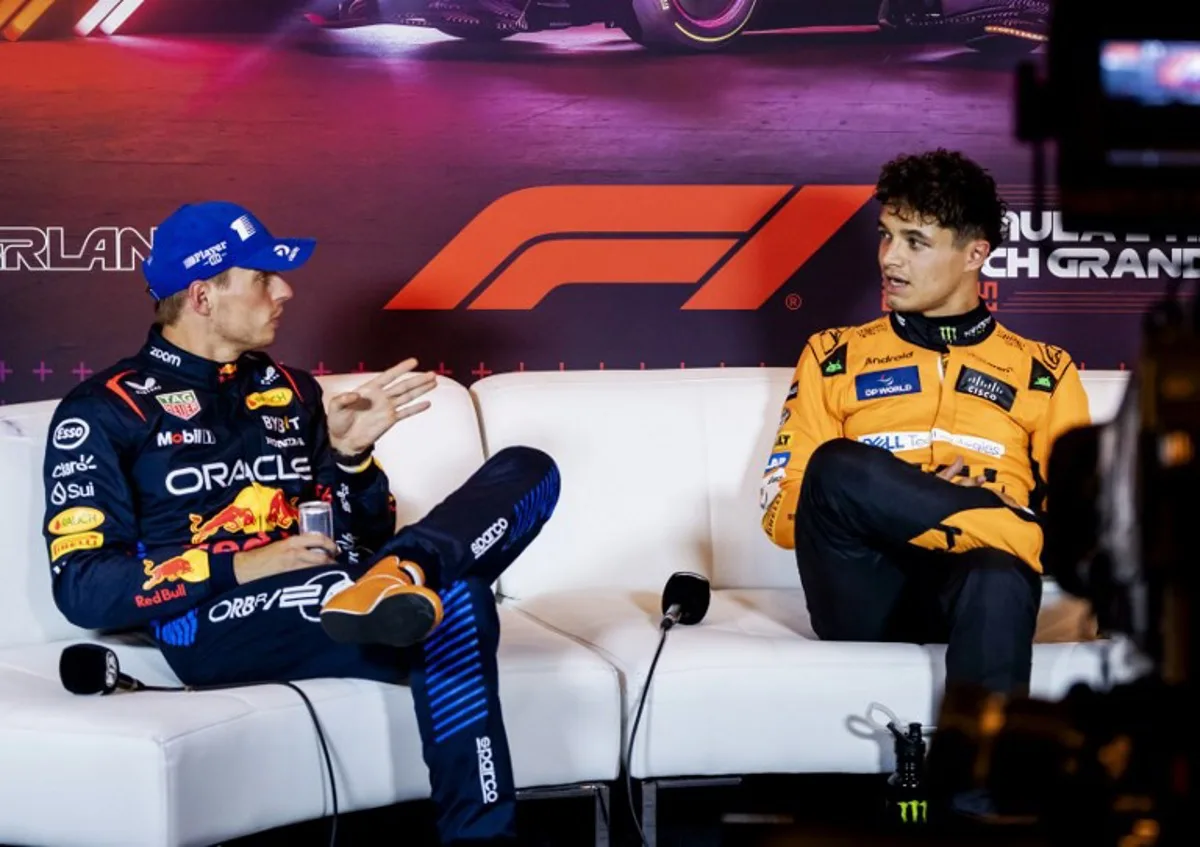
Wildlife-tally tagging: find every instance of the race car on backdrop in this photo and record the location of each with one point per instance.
(705, 25)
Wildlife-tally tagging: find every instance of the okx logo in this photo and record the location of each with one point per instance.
(736, 244)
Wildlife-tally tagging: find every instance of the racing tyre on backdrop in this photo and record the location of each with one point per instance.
(1003, 45)
(475, 34)
(687, 25)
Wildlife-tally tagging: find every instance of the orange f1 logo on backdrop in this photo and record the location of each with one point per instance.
(738, 243)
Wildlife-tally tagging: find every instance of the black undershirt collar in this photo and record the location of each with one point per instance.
(943, 332)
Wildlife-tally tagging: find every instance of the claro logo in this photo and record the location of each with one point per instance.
(738, 243)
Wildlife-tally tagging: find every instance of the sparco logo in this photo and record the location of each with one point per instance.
(490, 536)
(170, 358)
(221, 475)
(487, 769)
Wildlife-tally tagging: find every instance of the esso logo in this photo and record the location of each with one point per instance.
(71, 433)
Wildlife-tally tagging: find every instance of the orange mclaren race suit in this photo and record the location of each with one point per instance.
(886, 549)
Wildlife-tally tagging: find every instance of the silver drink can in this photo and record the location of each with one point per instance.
(316, 516)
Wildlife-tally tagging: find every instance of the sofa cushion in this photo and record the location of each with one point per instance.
(168, 768)
(660, 472)
(751, 690)
(744, 691)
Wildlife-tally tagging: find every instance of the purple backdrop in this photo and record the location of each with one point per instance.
(467, 175)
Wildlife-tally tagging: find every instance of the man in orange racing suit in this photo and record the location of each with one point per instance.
(908, 469)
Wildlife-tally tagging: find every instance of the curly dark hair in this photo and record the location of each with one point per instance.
(947, 187)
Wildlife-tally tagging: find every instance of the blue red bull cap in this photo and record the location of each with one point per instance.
(200, 240)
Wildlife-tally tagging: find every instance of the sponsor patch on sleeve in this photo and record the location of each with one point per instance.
(1041, 379)
(835, 362)
(78, 519)
(778, 460)
(771, 515)
(70, 543)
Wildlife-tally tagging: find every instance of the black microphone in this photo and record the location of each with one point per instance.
(92, 669)
(684, 599)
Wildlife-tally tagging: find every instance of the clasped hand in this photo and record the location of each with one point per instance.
(950, 474)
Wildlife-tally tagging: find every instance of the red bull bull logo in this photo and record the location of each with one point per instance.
(188, 566)
(255, 509)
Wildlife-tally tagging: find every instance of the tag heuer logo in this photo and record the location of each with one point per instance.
(181, 404)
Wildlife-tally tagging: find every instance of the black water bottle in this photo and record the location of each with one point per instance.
(907, 803)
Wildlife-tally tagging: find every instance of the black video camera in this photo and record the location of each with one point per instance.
(1121, 100)
(1115, 767)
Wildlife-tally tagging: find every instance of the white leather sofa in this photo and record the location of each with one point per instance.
(196, 768)
(660, 474)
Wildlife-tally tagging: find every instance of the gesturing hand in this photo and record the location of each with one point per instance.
(358, 418)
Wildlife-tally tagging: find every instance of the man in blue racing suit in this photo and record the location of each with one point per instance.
(173, 482)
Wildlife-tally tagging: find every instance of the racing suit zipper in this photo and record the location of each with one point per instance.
(943, 419)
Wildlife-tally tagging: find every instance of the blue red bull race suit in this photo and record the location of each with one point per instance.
(161, 468)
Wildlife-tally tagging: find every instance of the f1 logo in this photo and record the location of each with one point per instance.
(738, 243)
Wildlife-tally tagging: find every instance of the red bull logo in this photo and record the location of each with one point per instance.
(188, 566)
(255, 509)
(163, 595)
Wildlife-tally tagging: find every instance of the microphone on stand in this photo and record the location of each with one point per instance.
(685, 599)
(92, 669)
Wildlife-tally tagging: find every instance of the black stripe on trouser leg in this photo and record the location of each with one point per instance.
(455, 685)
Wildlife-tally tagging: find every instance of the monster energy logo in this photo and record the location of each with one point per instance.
(949, 333)
(913, 811)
